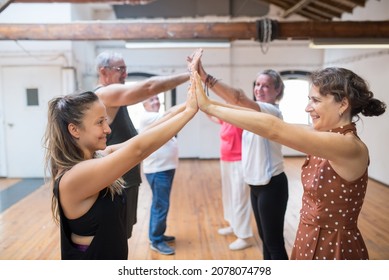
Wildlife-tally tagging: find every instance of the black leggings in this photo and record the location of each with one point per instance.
(269, 207)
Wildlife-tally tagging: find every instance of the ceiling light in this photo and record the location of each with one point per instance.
(369, 43)
(176, 44)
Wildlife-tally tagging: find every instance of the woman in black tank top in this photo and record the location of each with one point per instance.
(88, 201)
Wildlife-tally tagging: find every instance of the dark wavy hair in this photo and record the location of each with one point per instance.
(343, 83)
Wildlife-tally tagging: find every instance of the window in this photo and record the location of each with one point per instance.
(295, 97)
(32, 97)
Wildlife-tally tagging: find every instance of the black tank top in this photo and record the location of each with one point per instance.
(107, 219)
(123, 129)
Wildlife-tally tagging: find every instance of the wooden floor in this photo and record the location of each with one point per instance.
(27, 230)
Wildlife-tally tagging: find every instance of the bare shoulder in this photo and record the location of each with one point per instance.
(356, 142)
(353, 163)
(111, 95)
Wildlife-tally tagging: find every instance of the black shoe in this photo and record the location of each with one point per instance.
(168, 238)
(162, 248)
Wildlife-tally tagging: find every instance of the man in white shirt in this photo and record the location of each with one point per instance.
(159, 169)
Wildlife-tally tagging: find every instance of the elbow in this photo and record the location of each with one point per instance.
(239, 97)
(150, 88)
(138, 148)
(274, 133)
(140, 153)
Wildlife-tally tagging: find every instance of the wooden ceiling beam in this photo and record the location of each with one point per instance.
(123, 30)
(338, 6)
(352, 2)
(314, 16)
(335, 29)
(323, 12)
(297, 7)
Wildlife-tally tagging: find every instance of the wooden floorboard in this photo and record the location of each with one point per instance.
(6, 183)
(28, 232)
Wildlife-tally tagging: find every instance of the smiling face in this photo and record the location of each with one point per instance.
(324, 110)
(264, 89)
(92, 134)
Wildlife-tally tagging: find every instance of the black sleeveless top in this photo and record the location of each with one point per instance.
(107, 220)
(123, 129)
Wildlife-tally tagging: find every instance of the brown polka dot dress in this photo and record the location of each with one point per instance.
(330, 208)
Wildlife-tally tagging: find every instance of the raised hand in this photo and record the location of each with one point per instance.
(191, 100)
(194, 60)
(202, 99)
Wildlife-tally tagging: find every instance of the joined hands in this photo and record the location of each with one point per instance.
(196, 95)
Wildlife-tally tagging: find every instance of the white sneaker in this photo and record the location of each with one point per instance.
(225, 231)
(239, 244)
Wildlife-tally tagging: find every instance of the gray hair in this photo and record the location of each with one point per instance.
(105, 59)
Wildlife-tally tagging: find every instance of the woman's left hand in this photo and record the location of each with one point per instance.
(202, 99)
(191, 100)
(194, 60)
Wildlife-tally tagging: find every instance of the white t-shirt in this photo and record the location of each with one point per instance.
(166, 157)
(261, 158)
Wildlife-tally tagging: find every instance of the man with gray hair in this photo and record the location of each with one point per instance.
(116, 96)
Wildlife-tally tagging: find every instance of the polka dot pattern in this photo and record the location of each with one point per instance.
(330, 208)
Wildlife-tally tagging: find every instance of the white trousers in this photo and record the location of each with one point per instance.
(236, 198)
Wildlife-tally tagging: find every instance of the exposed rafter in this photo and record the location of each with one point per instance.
(296, 7)
(319, 9)
(126, 30)
(312, 10)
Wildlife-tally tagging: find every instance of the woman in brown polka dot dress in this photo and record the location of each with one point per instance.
(335, 173)
(330, 208)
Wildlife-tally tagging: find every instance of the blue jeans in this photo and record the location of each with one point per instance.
(161, 185)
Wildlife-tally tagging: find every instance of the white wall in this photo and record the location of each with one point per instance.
(33, 53)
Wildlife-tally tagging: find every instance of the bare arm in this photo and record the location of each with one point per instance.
(116, 95)
(177, 108)
(234, 96)
(86, 179)
(231, 95)
(167, 115)
(344, 151)
(214, 119)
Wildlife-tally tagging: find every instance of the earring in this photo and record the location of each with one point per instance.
(340, 114)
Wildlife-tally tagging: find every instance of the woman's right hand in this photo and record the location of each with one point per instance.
(191, 100)
(202, 100)
(194, 63)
